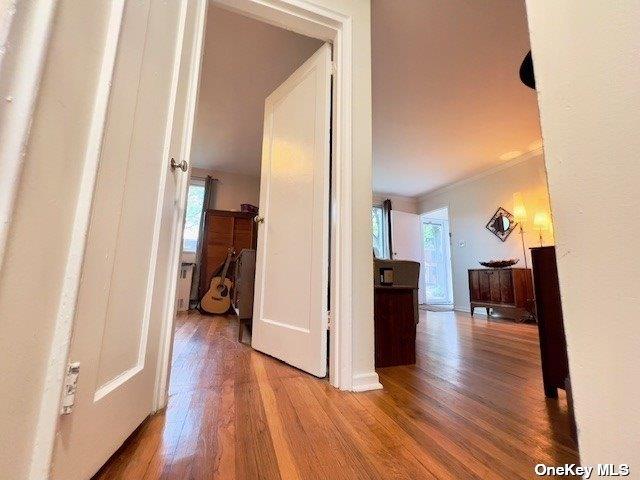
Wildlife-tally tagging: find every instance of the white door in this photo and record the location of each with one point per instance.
(290, 308)
(406, 241)
(437, 263)
(135, 213)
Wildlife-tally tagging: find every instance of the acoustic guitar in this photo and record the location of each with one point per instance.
(217, 300)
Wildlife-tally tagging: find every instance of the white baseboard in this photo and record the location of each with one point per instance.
(478, 311)
(364, 382)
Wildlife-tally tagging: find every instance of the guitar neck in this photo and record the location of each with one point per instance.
(226, 267)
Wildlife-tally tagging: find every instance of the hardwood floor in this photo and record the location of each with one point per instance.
(472, 407)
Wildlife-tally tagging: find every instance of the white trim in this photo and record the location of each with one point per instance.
(22, 67)
(117, 381)
(169, 311)
(341, 283)
(363, 382)
(48, 416)
(482, 312)
(485, 173)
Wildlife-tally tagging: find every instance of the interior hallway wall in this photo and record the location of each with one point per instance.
(586, 61)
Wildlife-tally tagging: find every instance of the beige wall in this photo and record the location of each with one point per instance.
(232, 189)
(404, 204)
(587, 70)
(472, 203)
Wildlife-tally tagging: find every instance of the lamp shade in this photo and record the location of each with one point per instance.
(541, 221)
(519, 211)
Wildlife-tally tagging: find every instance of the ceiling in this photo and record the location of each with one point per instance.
(244, 61)
(447, 100)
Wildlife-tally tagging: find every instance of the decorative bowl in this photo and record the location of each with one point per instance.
(500, 263)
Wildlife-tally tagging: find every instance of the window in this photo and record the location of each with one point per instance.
(195, 202)
(380, 228)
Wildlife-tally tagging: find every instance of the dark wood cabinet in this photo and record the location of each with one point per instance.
(553, 346)
(395, 326)
(395, 311)
(223, 230)
(509, 288)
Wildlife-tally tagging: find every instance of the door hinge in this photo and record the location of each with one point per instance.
(328, 319)
(334, 68)
(69, 388)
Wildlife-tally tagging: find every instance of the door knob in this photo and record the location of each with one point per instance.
(258, 219)
(183, 165)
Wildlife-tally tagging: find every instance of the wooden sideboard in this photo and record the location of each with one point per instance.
(507, 288)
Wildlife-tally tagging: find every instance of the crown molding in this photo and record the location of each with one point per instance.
(485, 173)
(391, 196)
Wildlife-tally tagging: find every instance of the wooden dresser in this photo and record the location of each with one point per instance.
(508, 288)
(223, 230)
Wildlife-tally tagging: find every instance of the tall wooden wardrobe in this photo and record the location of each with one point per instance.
(223, 230)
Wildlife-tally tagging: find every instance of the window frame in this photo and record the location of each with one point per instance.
(199, 182)
(384, 232)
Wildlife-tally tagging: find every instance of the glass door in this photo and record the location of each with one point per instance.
(435, 235)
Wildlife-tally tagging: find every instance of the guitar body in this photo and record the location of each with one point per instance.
(217, 300)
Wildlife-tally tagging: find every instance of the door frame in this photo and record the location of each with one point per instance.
(425, 218)
(303, 17)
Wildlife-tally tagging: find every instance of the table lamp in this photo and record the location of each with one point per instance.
(541, 221)
(520, 216)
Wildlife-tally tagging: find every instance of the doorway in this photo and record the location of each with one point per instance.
(436, 244)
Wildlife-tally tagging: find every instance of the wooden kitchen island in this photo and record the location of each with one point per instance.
(395, 326)
(395, 312)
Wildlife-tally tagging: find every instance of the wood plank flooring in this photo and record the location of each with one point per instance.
(472, 407)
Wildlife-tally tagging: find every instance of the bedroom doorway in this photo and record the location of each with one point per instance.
(245, 239)
(436, 244)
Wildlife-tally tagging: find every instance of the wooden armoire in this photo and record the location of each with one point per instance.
(223, 230)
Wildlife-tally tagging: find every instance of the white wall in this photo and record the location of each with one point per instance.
(587, 69)
(232, 189)
(471, 205)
